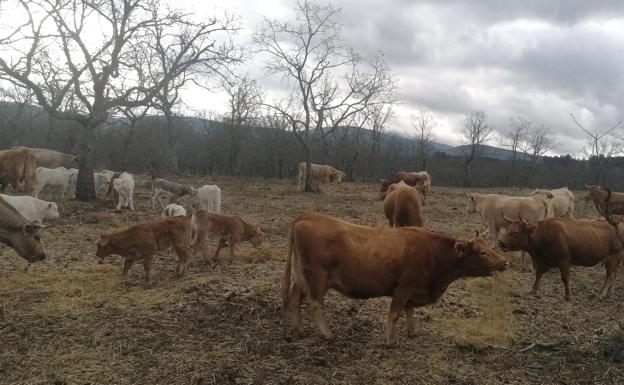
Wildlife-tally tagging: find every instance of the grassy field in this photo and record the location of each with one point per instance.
(70, 320)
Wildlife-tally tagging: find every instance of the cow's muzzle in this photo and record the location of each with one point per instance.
(503, 246)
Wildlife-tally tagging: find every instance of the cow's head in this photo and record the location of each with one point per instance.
(104, 247)
(516, 236)
(75, 160)
(478, 257)
(472, 204)
(28, 243)
(52, 211)
(192, 191)
(256, 236)
(384, 188)
(595, 193)
(337, 177)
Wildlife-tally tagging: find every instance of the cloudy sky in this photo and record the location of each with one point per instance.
(538, 59)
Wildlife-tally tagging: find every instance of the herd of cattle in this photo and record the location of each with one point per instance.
(406, 261)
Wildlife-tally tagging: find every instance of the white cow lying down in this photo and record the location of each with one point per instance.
(124, 186)
(174, 210)
(32, 209)
(209, 197)
(55, 177)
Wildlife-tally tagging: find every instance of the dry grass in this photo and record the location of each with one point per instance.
(70, 320)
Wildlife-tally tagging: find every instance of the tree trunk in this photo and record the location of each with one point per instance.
(85, 187)
(308, 176)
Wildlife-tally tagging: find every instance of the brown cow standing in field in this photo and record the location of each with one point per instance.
(598, 195)
(18, 168)
(22, 236)
(412, 265)
(402, 206)
(50, 158)
(143, 240)
(421, 180)
(321, 174)
(230, 229)
(562, 242)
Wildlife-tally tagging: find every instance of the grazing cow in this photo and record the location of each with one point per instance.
(562, 242)
(58, 177)
(32, 209)
(402, 206)
(174, 210)
(143, 240)
(171, 190)
(18, 168)
(412, 265)
(598, 195)
(421, 180)
(50, 158)
(21, 235)
(494, 211)
(124, 187)
(321, 174)
(562, 201)
(230, 229)
(209, 197)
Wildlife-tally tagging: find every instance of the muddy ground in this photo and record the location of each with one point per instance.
(70, 320)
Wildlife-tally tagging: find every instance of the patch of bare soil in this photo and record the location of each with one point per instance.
(70, 320)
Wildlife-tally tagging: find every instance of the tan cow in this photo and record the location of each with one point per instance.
(230, 229)
(50, 158)
(143, 240)
(497, 210)
(321, 174)
(21, 235)
(562, 242)
(562, 201)
(402, 206)
(18, 169)
(412, 265)
(598, 195)
(421, 180)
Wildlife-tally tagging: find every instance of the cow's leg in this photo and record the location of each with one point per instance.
(409, 318)
(232, 247)
(292, 312)
(564, 269)
(317, 289)
(131, 202)
(611, 267)
(184, 253)
(126, 267)
(524, 257)
(148, 264)
(539, 272)
(400, 298)
(222, 244)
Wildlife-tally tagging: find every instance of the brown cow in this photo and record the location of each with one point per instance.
(412, 265)
(598, 195)
(143, 240)
(321, 174)
(421, 180)
(402, 206)
(18, 168)
(50, 158)
(230, 229)
(21, 235)
(562, 242)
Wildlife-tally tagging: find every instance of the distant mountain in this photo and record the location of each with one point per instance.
(487, 151)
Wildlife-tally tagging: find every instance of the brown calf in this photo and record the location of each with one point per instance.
(143, 240)
(402, 206)
(565, 242)
(412, 265)
(598, 195)
(230, 229)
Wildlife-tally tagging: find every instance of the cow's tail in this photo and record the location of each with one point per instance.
(288, 271)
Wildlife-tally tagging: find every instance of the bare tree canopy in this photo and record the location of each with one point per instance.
(328, 82)
(477, 132)
(424, 125)
(83, 59)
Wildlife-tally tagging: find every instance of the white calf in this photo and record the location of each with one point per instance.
(174, 210)
(32, 209)
(101, 181)
(53, 177)
(209, 197)
(124, 186)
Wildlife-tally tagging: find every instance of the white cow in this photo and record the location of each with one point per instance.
(101, 181)
(124, 186)
(54, 177)
(32, 209)
(174, 210)
(209, 197)
(562, 201)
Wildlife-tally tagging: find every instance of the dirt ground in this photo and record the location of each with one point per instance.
(70, 320)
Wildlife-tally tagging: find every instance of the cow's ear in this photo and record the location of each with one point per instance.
(462, 248)
(50, 205)
(531, 227)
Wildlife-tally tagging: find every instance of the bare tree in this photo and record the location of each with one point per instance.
(516, 137)
(81, 76)
(477, 132)
(424, 126)
(329, 83)
(538, 143)
(380, 115)
(600, 146)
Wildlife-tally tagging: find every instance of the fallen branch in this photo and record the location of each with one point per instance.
(543, 345)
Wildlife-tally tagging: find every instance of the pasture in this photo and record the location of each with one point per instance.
(70, 320)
